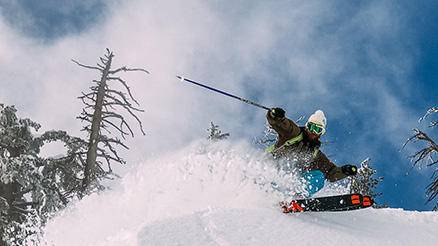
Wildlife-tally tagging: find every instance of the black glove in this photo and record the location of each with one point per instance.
(277, 113)
(349, 170)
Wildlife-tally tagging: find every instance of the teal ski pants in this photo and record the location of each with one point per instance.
(314, 181)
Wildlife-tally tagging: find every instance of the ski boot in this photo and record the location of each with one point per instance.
(293, 207)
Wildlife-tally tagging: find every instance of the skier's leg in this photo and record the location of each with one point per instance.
(314, 181)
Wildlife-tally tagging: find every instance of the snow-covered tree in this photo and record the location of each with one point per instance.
(101, 114)
(31, 187)
(19, 172)
(215, 134)
(27, 232)
(427, 154)
(365, 181)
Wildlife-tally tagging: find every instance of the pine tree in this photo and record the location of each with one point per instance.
(31, 187)
(215, 134)
(100, 114)
(364, 182)
(19, 166)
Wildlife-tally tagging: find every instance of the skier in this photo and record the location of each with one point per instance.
(301, 144)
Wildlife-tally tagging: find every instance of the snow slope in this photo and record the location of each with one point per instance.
(224, 194)
(269, 227)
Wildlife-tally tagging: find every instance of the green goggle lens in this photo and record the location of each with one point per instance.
(314, 128)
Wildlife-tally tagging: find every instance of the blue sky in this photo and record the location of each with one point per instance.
(51, 19)
(371, 66)
(426, 31)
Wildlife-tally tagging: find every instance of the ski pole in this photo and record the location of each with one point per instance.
(224, 93)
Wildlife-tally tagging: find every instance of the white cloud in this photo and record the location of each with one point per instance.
(297, 54)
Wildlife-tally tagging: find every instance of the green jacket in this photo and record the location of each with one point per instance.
(294, 144)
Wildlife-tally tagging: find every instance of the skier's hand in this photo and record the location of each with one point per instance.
(277, 113)
(349, 170)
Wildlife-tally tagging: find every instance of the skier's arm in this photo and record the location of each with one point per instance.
(285, 128)
(331, 171)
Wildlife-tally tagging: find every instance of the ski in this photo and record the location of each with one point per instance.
(330, 203)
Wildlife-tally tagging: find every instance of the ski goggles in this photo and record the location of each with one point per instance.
(314, 128)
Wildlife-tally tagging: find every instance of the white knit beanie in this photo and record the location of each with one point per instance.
(318, 118)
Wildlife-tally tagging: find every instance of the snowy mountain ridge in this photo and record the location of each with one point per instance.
(224, 193)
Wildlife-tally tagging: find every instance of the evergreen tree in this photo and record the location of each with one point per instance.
(100, 114)
(364, 181)
(215, 134)
(20, 174)
(31, 187)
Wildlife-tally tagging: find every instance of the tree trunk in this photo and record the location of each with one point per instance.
(90, 166)
(8, 192)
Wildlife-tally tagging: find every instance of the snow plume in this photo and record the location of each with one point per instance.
(199, 177)
(222, 194)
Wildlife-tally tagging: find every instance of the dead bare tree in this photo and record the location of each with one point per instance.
(432, 110)
(100, 113)
(427, 154)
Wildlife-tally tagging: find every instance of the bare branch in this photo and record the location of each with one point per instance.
(123, 133)
(104, 61)
(85, 113)
(90, 95)
(109, 54)
(125, 69)
(86, 129)
(111, 115)
(107, 159)
(426, 152)
(429, 112)
(125, 102)
(103, 154)
(432, 189)
(115, 141)
(107, 143)
(87, 104)
(126, 87)
(138, 121)
(105, 127)
(86, 66)
(123, 122)
(411, 139)
(117, 93)
(84, 118)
